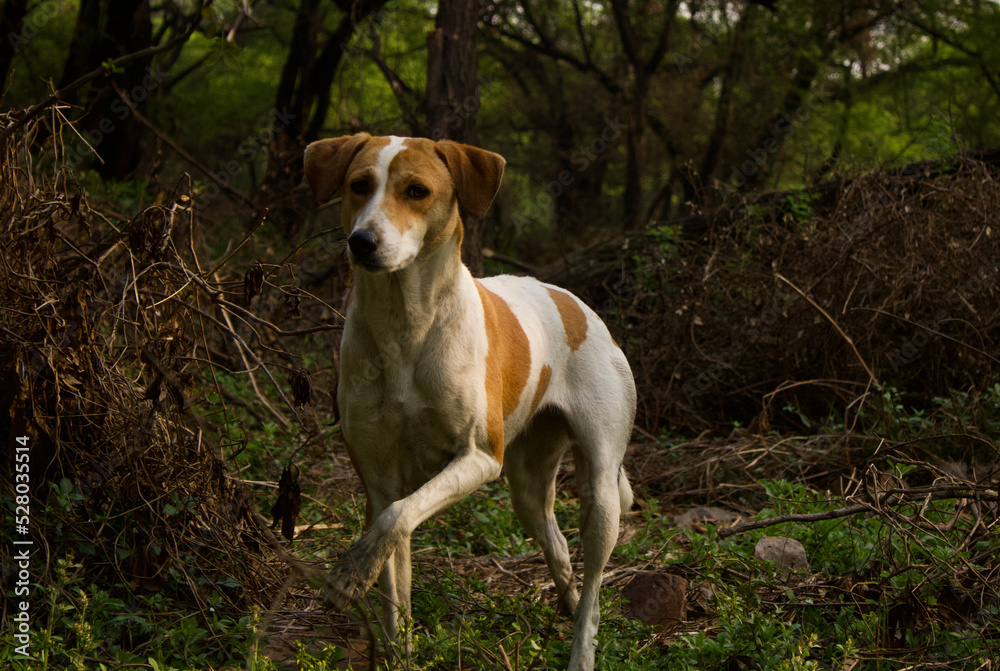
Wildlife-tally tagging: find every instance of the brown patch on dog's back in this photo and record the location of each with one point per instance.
(544, 376)
(573, 319)
(508, 364)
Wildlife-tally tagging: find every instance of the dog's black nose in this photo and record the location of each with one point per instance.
(363, 243)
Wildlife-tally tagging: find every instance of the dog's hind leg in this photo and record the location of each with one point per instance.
(532, 463)
(600, 507)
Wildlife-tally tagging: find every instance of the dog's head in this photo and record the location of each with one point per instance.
(401, 196)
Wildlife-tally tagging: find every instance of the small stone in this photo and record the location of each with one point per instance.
(786, 552)
(656, 598)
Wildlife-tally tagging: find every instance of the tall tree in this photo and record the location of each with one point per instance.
(645, 41)
(710, 90)
(104, 30)
(11, 27)
(620, 52)
(312, 61)
(452, 101)
(447, 108)
(829, 27)
(568, 120)
(303, 93)
(452, 71)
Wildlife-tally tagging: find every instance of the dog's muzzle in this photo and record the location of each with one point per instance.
(363, 245)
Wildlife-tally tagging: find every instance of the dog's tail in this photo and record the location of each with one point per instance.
(624, 490)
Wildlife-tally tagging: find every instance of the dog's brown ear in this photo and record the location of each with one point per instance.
(477, 174)
(326, 163)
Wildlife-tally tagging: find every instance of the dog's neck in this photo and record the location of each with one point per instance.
(405, 304)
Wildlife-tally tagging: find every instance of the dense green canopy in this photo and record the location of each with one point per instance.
(611, 114)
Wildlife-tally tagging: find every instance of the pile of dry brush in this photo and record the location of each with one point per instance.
(787, 308)
(111, 332)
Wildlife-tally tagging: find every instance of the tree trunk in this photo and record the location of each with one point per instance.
(632, 206)
(11, 24)
(300, 58)
(101, 34)
(781, 126)
(576, 188)
(319, 78)
(452, 72)
(307, 76)
(723, 110)
(303, 96)
(86, 34)
(452, 96)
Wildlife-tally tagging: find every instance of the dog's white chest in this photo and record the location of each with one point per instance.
(403, 412)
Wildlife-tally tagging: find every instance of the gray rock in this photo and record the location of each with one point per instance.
(788, 553)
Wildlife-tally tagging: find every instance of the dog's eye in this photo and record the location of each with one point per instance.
(417, 192)
(359, 187)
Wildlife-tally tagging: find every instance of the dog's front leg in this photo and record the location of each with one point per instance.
(394, 580)
(394, 588)
(356, 571)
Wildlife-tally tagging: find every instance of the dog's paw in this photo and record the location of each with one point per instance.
(341, 589)
(568, 602)
(350, 579)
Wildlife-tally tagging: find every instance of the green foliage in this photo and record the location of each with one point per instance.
(179, 618)
(799, 203)
(309, 658)
(39, 56)
(920, 85)
(81, 624)
(911, 86)
(666, 236)
(125, 199)
(481, 524)
(759, 622)
(766, 641)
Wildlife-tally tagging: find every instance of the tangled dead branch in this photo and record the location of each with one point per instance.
(970, 502)
(784, 309)
(121, 349)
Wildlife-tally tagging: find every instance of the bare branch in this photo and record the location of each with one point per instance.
(559, 55)
(625, 32)
(902, 497)
(37, 109)
(400, 89)
(208, 172)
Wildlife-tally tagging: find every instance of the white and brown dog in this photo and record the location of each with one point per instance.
(445, 378)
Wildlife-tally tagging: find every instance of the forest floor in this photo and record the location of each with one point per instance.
(842, 609)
